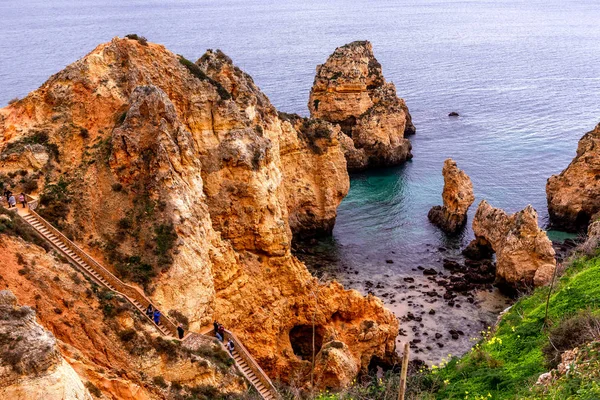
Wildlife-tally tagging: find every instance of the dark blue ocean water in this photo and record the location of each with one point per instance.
(523, 74)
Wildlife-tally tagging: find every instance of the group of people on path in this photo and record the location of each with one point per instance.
(12, 202)
(154, 314)
(220, 334)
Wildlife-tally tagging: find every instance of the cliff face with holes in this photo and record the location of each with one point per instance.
(350, 90)
(182, 177)
(574, 194)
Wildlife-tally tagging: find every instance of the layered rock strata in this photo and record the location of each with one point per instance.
(574, 194)
(524, 254)
(181, 176)
(350, 90)
(457, 197)
(31, 365)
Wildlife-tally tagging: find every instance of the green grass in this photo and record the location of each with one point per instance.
(507, 362)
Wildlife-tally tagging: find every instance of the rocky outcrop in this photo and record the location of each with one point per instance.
(31, 366)
(574, 194)
(524, 254)
(457, 196)
(592, 242)
(105, 341)
(312, 147)
(350, 90)
(183, 178)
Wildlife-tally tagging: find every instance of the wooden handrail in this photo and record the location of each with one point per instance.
(125, 289)
(131, 292)
(251, 362)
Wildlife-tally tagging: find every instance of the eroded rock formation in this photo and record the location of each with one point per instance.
(31, 366)
(104, 340)
(524, 254)
(574, 194)
(350, 90)
(182, 177)
(457, 196)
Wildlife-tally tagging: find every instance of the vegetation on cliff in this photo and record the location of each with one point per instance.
(527, 342)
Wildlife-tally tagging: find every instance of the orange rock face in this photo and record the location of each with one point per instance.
(524, 254)
(350, 90)
(187, 172)
(457, 196)
(86, 332)
(574, 194)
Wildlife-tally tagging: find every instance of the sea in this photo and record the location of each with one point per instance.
(524, 75)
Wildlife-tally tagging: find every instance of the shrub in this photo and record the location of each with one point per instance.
(54, 202)
(216, 354)
(127, 335)
(117, 187)
(198, 73)
(165, 240)
(15, 226)
(169, 348)
(84, 133)
(13, 101)
(179, 317)
(93, 389)
(124, 224)
(572, 332)
(159, 381)
(142, 40)
(30, 185)
(135, 270)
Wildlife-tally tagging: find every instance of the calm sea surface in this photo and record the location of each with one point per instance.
(523, 74)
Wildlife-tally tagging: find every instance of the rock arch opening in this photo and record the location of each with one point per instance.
(301, 338)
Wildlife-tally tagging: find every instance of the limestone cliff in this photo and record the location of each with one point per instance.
(350, 90)
(574, 194)
(111, 347)
(524, 254)
(181, 177)
(31, 366)
(457, 196)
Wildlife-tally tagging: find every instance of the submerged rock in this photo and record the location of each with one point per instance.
(524, 254)
(458, 197)
(574, 195)
(350, 90)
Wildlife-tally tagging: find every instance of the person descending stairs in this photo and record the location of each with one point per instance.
(86, 264)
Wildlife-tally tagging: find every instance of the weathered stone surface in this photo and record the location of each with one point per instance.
(574, 194)
(350, 90)
(524, 254)
(91, 341)
(457, 196)
(198, 147)
(31, 366)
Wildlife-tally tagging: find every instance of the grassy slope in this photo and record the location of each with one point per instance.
(507, 363)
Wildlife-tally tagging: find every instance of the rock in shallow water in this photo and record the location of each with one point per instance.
(350, 90)
(457, 196)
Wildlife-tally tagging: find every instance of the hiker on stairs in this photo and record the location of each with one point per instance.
(22, 199)
(230, 347)
(11, 201)
(180, 331)
(156, 317)
(150, 311)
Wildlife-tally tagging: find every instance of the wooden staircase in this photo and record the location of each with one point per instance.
(86, 264)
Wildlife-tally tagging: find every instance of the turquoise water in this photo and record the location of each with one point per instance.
(523, 74)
